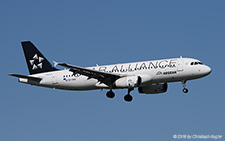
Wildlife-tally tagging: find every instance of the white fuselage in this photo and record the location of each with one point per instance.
(160, 71)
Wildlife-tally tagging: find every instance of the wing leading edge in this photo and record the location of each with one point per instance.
(103, 77)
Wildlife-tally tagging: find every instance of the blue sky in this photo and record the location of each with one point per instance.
(86, 33)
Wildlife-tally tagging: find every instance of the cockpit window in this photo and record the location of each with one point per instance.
(196, 63)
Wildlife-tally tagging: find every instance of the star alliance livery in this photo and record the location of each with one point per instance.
(150, 77)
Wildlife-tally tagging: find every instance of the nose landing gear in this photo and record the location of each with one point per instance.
(185, 90)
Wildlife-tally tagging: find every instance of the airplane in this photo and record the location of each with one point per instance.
(150, 77)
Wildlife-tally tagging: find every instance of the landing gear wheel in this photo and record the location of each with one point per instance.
(185, 90)
(128, 98)
(110, 94)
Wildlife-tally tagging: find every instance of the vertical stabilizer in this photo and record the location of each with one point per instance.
(36, 62)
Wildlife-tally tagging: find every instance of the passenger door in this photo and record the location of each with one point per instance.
(180, 64)
(55, 79)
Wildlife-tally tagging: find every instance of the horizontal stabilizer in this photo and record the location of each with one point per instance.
(25, 76)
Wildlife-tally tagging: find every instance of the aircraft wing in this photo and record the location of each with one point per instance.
(25, 76)
(103, 77)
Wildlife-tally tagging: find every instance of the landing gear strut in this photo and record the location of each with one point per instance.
(128, 97)
(110, 93)
(185, 90)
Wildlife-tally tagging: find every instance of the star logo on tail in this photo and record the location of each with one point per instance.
(36, 62)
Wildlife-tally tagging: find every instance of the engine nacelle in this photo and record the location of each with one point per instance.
(145, 78)
(153, 89)
(128, 82)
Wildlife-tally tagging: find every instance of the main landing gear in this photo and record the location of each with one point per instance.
(128, 97)
(185, 90)
(110, 94)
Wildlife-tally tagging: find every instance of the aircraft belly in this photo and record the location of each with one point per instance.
(81, 83)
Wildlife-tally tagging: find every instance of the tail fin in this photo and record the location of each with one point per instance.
(36, 61)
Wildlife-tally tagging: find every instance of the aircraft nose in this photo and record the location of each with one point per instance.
(207, 70)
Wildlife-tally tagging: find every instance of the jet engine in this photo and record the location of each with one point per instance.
(133, 81)
(153, 89)
(128, 82)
